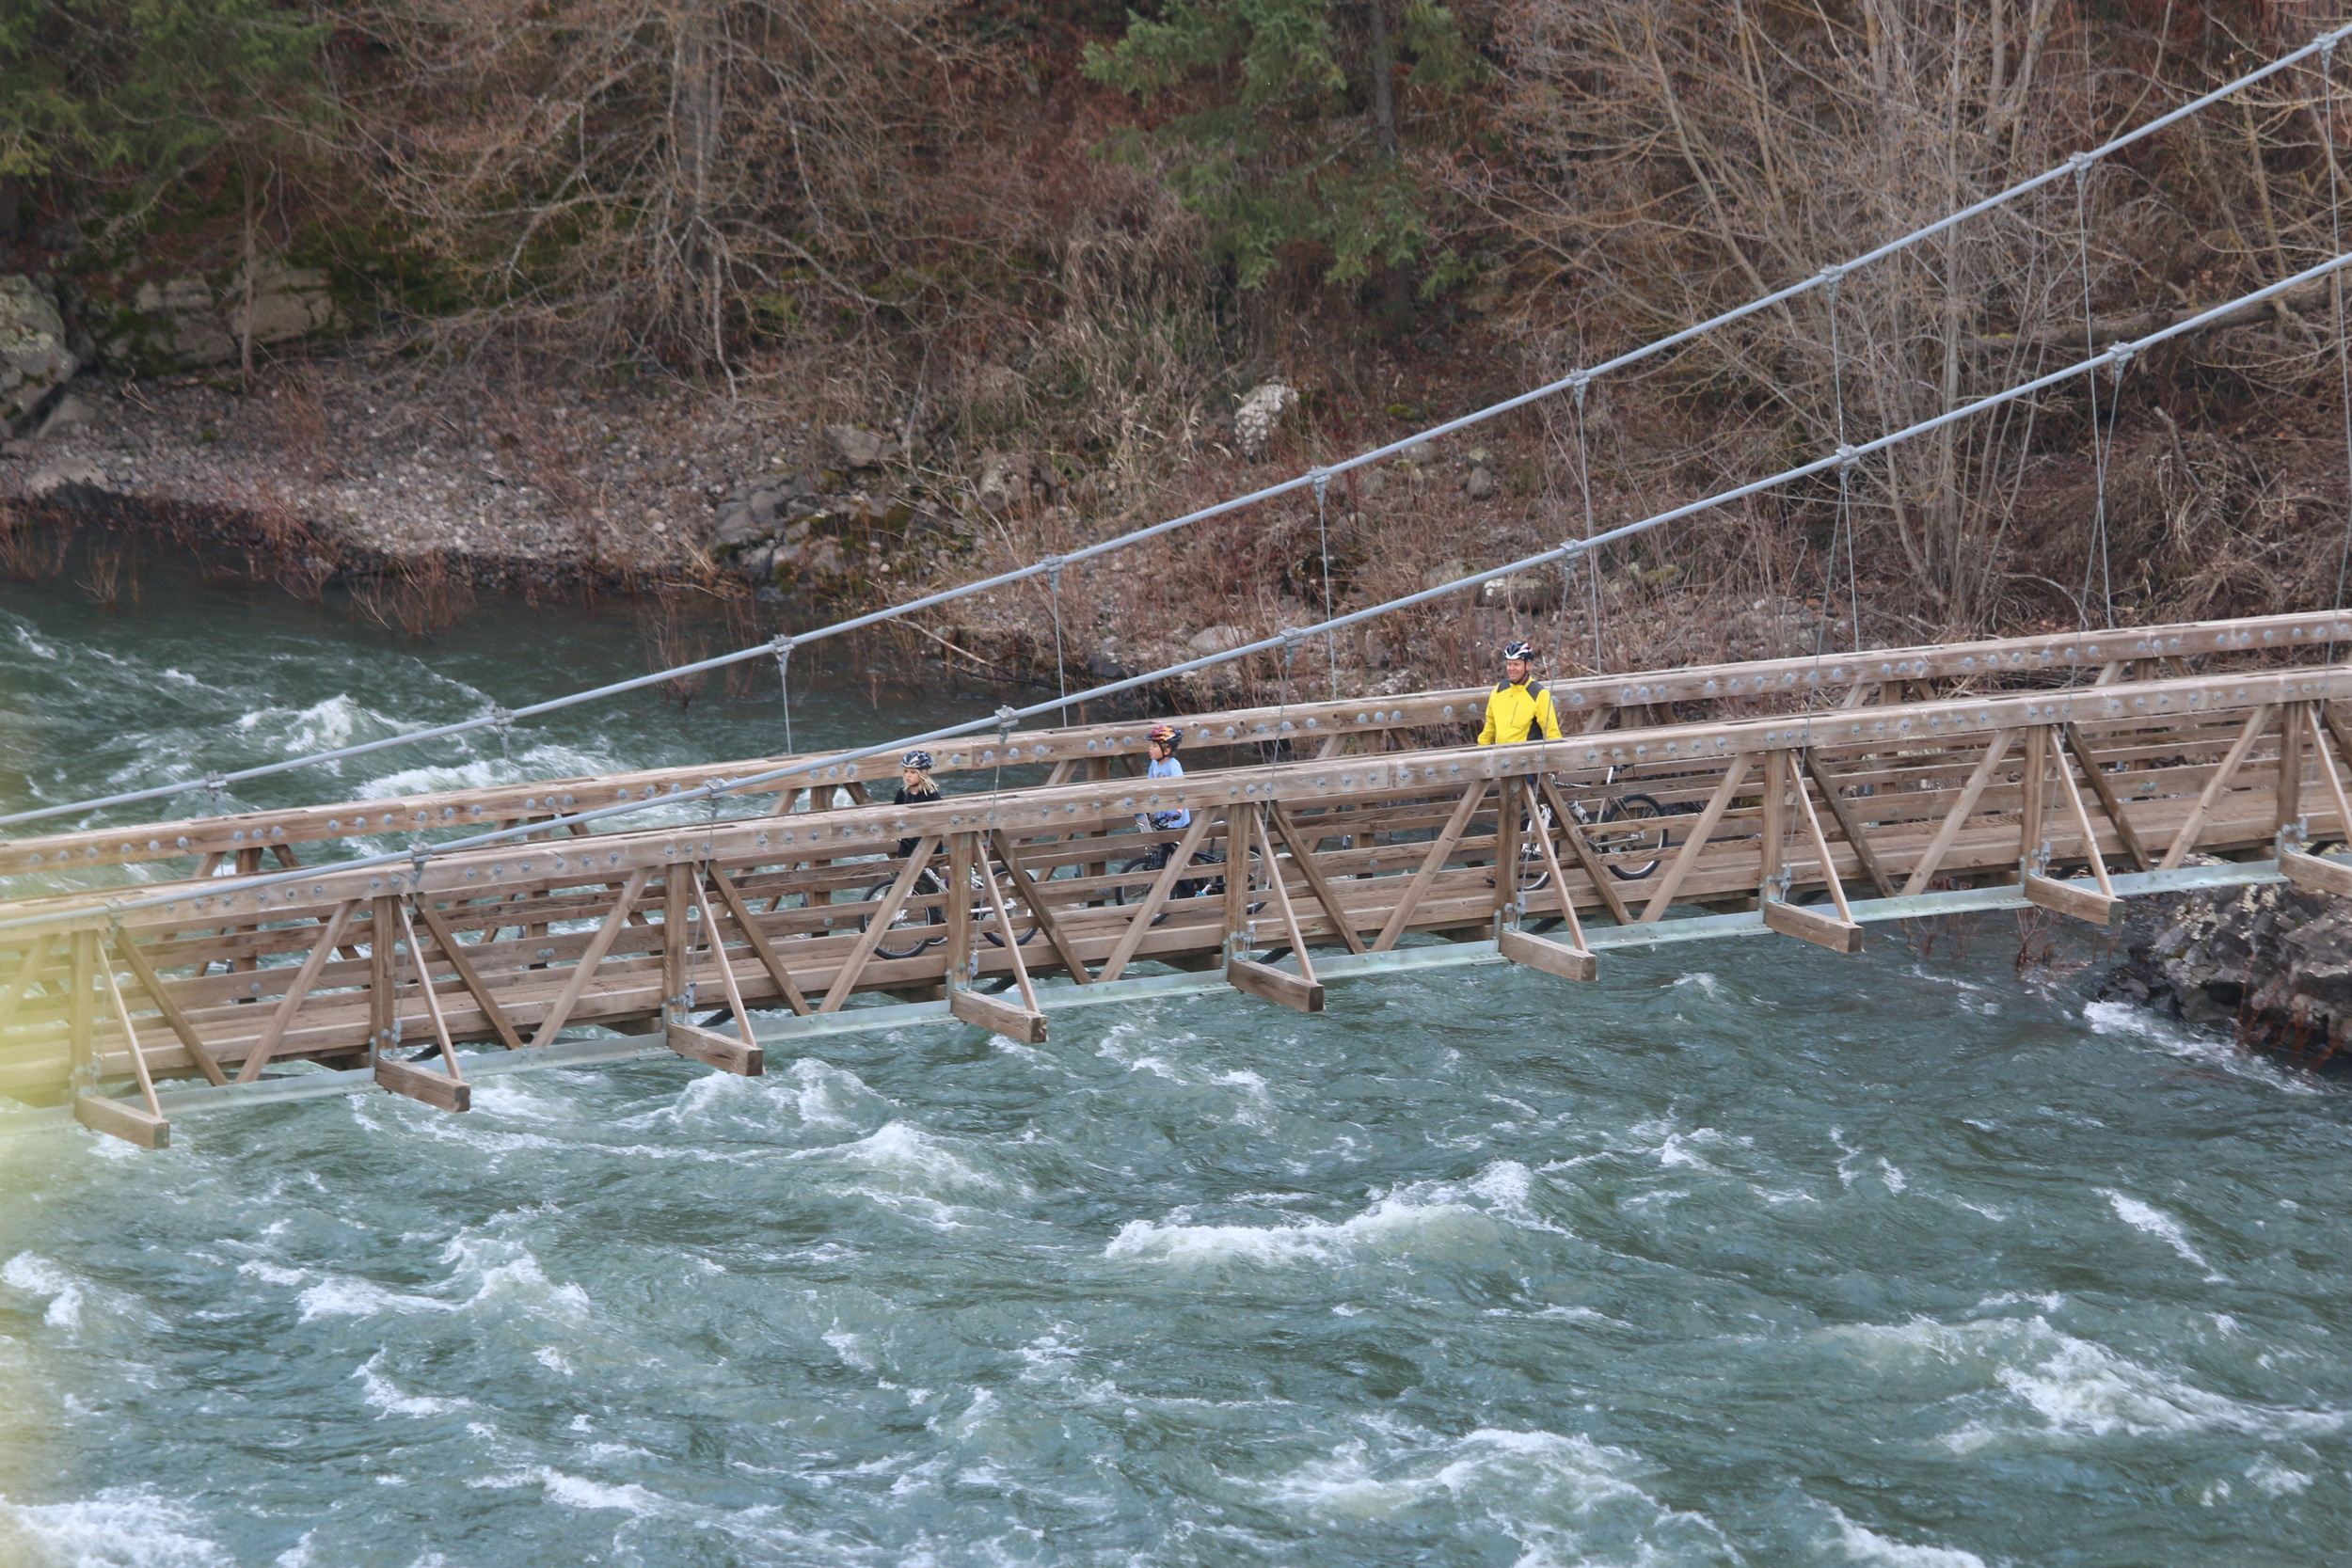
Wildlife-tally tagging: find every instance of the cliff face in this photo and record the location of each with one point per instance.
(2272, 964)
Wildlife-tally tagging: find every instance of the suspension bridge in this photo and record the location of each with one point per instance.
(418, 943)
(1792, 799)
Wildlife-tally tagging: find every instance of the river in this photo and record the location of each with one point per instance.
(1747, 1254)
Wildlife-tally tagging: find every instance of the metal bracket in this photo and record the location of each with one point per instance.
(1847, 459)
(419, 852)
(2122, 362)
(218, 785)
(1007, 722)
(2294, 835)
(1774, 888)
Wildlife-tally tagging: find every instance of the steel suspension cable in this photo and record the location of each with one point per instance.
(2344, 349)
(419, 855)
(2097, 557)
(948, 595)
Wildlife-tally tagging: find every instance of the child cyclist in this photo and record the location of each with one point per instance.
(915, 788)
(1163, 740)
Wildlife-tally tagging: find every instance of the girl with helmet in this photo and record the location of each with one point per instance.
(915, 788)
(1163, 739)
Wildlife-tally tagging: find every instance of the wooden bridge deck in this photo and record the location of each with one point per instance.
(1913, 772)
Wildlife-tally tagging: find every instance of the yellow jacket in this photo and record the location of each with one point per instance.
(1521, 712)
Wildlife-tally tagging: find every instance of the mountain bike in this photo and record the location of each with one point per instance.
(915, 927)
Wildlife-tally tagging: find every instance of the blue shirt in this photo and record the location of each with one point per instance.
(1172, 769)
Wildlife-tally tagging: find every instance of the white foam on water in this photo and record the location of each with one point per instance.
(36, 1276)
(2156, 1223)
(2175, 1038)
(121, 1526)
(578, 1492)
(1422, 1219)
(341, 1296)
(1562, 1498)
(381, 1392)
(901, 1159)
(1862, 1545)
(2275, 1479)
(2053, 1387)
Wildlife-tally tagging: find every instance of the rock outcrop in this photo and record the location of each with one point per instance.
(2273, 963)
(181, 323)
(36, 356)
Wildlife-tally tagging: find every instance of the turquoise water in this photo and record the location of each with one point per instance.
(1747, 1254)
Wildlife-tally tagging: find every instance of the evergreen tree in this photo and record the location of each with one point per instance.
(1290, 131)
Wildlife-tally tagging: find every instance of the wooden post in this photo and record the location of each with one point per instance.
(383, 1008)
(676, 902)
(1237, 880)
(2289, 788)
(2032, 796)
(80, 1031)
(960, 857)
(1774, 859)
(1506, 848)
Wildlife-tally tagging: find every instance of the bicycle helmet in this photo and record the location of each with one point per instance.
(1166, 734)
(1519, 650)
(919, 761)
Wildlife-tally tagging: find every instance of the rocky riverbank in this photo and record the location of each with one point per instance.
(2272, 964)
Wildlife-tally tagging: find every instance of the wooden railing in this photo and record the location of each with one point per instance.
(250, 842)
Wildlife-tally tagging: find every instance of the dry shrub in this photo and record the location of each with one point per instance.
(669, 641)
(428, 594)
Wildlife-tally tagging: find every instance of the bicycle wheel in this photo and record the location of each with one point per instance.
(909, 932)
(1145, 868)
(1630, 825)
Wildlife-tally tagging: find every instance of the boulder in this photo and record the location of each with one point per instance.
(1529, 593)
(1260, 414)
(1443, 573)
(1481, 484)
(859, 449)
(34, 357)
(69, 414)
(1217, 639)
(2272, 964)
(55, 478)
(1003, 484)
(179, 323)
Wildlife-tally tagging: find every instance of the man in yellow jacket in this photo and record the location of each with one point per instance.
(1519, 708)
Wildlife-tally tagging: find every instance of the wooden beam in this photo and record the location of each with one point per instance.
(1820, 850)
(769, 960)
(998, 1016)
(599, 945)
(436, 1090)
(2326, 762)
(2185, 839)
(2032, 784)
(431, 998)
(2287, 786)
(1473, 796)
(1027, 887)
(1569, 963)
(130, 1038)
(1932, 858)
(2073, 898)
(1551, 865)
(2109, 802)
(1318, 883)
(1270, 984)
(1775, 841)
(2314, 874)
(745, 1057)
(508, 1035)
(2082, 825)
(1811, 925)
(1281, 899)
(878, 925)
(1735, 774)
(299, 986)
(1848, 825)
(40, 949)
(190, 1041)
(127, 1122)
(1572, 834)
(1011, 939)
(718, 953)
(961, 847)
(1132, 938)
